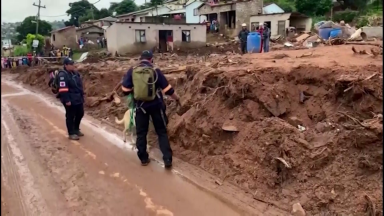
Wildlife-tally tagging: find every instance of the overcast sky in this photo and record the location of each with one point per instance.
(17, 10)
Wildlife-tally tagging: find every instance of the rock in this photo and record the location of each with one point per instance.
(297, 210)
(230, 128)
(294, 121)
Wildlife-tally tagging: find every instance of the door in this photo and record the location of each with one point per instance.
(281, 28)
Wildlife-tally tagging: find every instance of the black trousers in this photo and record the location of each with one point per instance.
(243, 47)
(73, 115)
(159, 121)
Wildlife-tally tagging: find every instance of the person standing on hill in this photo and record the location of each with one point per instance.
(147, 84)
(243, 35)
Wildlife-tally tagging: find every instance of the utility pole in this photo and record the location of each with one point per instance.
(38, 15)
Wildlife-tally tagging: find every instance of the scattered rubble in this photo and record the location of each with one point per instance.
(304, 129)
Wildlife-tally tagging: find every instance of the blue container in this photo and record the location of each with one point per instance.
(335, 33)
(254, 42)
(325, 33)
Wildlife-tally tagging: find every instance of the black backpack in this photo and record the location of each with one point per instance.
(55, 83)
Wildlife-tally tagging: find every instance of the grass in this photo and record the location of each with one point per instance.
(76, 55)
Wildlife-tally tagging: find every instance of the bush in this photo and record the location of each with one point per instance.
(347, 15)
(31, 37)
(20, 51)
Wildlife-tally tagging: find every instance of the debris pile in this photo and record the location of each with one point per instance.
(295, 130)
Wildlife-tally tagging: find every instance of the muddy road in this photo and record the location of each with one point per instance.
(44, 173)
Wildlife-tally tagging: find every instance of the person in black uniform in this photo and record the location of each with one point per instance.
(71, 94)
(154, 109)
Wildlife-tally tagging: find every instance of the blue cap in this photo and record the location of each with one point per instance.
(68, 61)
(146, 54)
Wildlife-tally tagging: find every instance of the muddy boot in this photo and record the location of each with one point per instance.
(168, 164)
(79, 134)
(145, 163)
(73, 137)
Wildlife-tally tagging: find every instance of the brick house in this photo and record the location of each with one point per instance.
(231, 14)
(64, 36)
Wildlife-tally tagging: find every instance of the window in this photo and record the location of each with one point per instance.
(195, 12)
(186, 36)
(54, 37)
(140, 36)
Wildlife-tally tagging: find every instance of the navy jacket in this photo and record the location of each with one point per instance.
(70, 87)
(161, 84)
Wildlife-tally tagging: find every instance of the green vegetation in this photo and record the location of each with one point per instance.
(76, 55)
(20, 50)
(28, 26)
(29, 41)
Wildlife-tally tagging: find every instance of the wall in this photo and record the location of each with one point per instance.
(206, 9)
(191, 18)
(66, 37)
(125, 32)
(274, 19)
(376, 32)
(244, 10)
(301, 23)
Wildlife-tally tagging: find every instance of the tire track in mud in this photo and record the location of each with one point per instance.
(17, 176)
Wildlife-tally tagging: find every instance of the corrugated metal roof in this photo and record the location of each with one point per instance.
(272, 9)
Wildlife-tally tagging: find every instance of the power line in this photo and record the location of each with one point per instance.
(76, 11)
(38, 15)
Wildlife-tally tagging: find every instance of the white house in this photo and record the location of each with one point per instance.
(191, 12)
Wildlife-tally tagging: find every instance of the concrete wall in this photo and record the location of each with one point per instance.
(66, 37)
(122, 36)
(301, 23)
(370, 32)
(275, 18)
(93, 32)
(244, 10)
(191, 18)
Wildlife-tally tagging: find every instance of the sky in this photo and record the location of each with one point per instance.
(17, 10)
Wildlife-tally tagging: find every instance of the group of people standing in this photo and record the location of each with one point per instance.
(64, 52)
(265, 33)
(212, 26)
(13, 62)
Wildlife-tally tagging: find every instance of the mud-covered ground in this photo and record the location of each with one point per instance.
(305, 125)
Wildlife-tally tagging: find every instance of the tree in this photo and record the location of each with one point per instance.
(104, 12)
(126, 6)
(313, 8)
(113, 6)
(145, 5)
(156, 4)
(28, 27)
(80, 9)
(31, 37)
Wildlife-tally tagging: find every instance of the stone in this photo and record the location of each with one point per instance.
(297, 210)
(294, 121)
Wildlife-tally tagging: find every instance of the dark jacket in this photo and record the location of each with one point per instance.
(161, 84)
(266, 32)
(70, 87)
(243, 34)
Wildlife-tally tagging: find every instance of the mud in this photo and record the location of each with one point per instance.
(306, 127)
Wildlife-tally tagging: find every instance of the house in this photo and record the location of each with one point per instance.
(64, 36)
(88, 23)
(107, 21)
(279, 22)
(165, 13)
(192, 13)
(91, 32)
(147, 36)
(231, 14)
(272, 8)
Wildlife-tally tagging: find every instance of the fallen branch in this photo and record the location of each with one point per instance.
(370, 206)
(353, 119)
(305, 55)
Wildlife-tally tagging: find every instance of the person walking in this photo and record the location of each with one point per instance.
(243, 35)
(71, 94)
(147, 84)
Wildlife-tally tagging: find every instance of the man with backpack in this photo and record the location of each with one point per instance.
(68, 86)
(147, 85)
